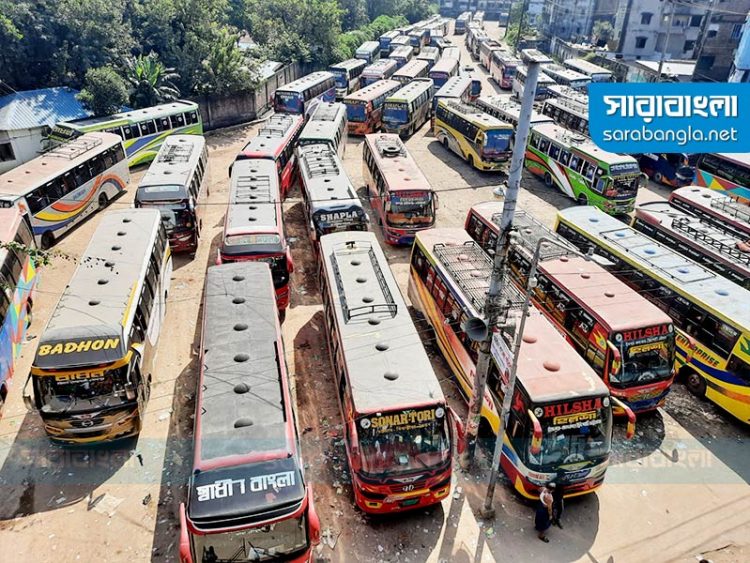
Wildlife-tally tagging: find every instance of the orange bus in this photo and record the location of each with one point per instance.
(364, 108)
(275, 141)
(398, 428)
(628, 341)
(254, 224)
(399, 193)
(560, 423)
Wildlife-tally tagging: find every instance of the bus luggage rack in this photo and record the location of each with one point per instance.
(75, 148)
(320, 162)
(529, 232)
(176, 153)
(390, 147)
(276, 126)
(253, 189)
(573, 105)
(703, 233)
(732, 208)
(388, 305)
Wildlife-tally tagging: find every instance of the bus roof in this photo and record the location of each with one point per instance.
(412, 68)
(454, 87)
(306, 81)
(324, 123)
(136, 115)
(562, 91)
(580, 143)
(399, 168)
(575, 107)
(553, 70)
(428, 52)
(379, 67)
(403, 51)
(325, 180)
(729, 300)
(173, 165)
(10, 218)
(388, 366)
(475, 116)
(273, 136)
(348, 64)
(254, 198)
(98, 301)
(735, 215)
(237, 353)
(586, 67)
(411, 91)
(507, 108)
(444, 65)
(372, 91)
(742, 158)
(543, 78)
(48, 166)
(548, 367)
(368, 47)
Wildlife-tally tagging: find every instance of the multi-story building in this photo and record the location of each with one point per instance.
(741, 67)
(491, 8)
(573, 20)
(644, 29)
(719, 39)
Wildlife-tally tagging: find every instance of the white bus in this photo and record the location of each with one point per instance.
(519, 80)
(347, 74)
(566, 77)
(328, 124)
(504, 107)
(60, 188)
(595, 72)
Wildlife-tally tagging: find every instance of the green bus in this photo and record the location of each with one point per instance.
(573, 164)
(142, 130)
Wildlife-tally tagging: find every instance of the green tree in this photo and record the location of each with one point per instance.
(602, 32)
(104, 92)
(150, 81)
(225, 70)
(354, 14)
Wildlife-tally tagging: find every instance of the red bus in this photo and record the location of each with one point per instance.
(715, 207)
(275, 141)
(247, 495)
(254, 224)
(364, 108)
(400, 195)
(503, 67)
(398, 427)
(627, 340)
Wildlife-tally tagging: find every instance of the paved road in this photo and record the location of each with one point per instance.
(678, 490)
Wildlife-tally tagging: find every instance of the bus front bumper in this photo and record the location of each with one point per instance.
(185, 241)
(374, 503)
(116, 426)
(641, 401)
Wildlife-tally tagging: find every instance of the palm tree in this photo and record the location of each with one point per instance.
(151, 82)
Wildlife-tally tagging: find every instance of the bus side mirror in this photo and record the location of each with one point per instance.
(191, 206)
(28, 400)
(630, 432)
(230, 169)
(289, 262)
(616, 362)
(436, 199)
(356, 462)
(130, 391)
(185, 556)
(459, 432)
(313, 520)
(536, 436)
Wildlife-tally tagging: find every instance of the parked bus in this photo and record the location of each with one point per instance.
(176, 184)
(543, 82)
(347, 75)
(670, 169)
(570, 114)
(568, 93)
(566, 77)
(711, 314)
(483, 141)
(275, 141)
(578, 168)
(478, 18)
(401, 55)
(561, 419)
(506, 108)
(715, 208)
(247, 497)
(443, 70)
(398, 428)
(364, 108)
(503, 67)
(254, 223)
(419, 38)
(486, 49)
(18, 279)
(63, 186)
(729, 172)
(385, 42)
(407, 109)
(415, 68)
(451, 53)
(400, 195)
(331, 203)
(476, 84)
(430, 55)
(382, 69)
(142, 131)
(627, 341)
(327, 124)
(474, 38)
(369, 52)
(461, 22)
(595, 72)
(92, 372)
(302, 95)
(457, 88)
(703, 243)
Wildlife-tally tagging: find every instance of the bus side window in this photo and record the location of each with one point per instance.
(575, 163)
(543, 145)
(162, 124)
(564, 157)
(129, 132)
(191, 117)
(97, 165)
(177, 121)
(24, 235)
(119, 153)
(54, 189)
(37, 200)
(11, 268)
(147, 128)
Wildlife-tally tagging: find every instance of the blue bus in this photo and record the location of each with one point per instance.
(304, 94)
(670, 169)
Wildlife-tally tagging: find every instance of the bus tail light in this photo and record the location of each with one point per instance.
(458, 430)
(536, 437)
(185, 556)
(356, 463)
(289, 262)
(630, 432)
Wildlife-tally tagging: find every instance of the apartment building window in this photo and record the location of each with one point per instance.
(646, 18)
(737, 31)
(688, 46)
(712, 33)
(6, 152)
(640, 42)
(695, 21)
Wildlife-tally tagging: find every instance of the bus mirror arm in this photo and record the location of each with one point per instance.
(130, 392)
(630, 432)
(27, 399)
(289, 262)
(185, 556)
(536, 436)
(355, 460)
(616, 362)
(458, 430)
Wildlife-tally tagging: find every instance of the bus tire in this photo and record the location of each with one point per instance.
(103, 200)
(470, 160)
(658, 177)
(48, 240)
(695, 384)
(445, 143)
(582, 200)
(548, 179)
(29, 314)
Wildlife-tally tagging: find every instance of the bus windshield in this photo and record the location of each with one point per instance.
(574, 438)
(645, 363)
(342, 80)
(394, 112)
(99, 390)
(388, 450)
(279, 269)
(173, 215)
(497, 141)
(288, 102)
(265, 543)
(356, 112)
(410, 209)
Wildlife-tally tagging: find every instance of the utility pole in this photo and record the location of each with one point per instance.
(524, 7)
(666, 41)
(704, 32)
(493, 308)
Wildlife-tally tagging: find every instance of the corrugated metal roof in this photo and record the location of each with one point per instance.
(35, 108)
